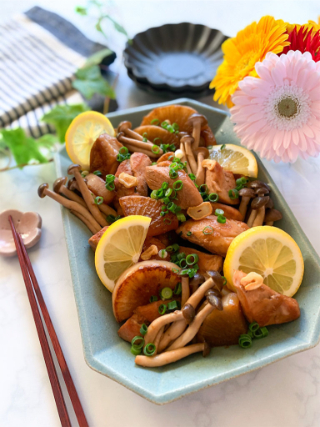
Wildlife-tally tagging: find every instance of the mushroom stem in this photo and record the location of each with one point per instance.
(85, 221)
(43, 191)
(147, 146)
(135, 149)
(200, 175)
(185, 290)
(244, 206)
(157, 324)
(196, 297)
(270, 223)
(191, 160)
(259, 217)
(158, 338)
(107, 210)
(60, 188)
(184, 158)
(252, 217)
(173, 332)
(170, 356)
(86, 194)
(196, 134)
(192, 330)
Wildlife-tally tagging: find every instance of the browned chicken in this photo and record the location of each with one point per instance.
(103, 155)
(139, 162)
(210, 234)
(188, 196)
(94, 240)
(220, 181)
(264, 305)
(121, 190)
(207, 262)
(139, 205)
(229, 211)
(154, 241)
(98, 187)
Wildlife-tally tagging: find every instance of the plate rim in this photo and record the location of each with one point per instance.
(89, 356)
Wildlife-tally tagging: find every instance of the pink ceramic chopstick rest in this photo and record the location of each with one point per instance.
(28, 224)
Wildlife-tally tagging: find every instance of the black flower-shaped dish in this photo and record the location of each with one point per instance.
(175, 58)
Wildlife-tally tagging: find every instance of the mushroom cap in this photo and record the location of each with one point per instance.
(202, 150)
(272, 215)
(262, 191)
(206, 349)
(181, 134)
(246, 192)
(123, 126)
(270, 204)
(186, 139)
(255, 185)
(58, 183)
(72, 168)
(218, 280)
(197, 279)
(196, 117)
(41, 190)
(259, 202)
(188, 312)
(214, 301)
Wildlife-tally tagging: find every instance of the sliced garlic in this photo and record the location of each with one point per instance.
(201, 211)
(252, 281)
(127, 180)
(209, 164)
(148, 253)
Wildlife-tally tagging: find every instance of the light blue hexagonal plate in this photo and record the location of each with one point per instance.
(106, 353)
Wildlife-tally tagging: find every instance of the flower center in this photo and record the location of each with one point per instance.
(244, 62)
(288, 107)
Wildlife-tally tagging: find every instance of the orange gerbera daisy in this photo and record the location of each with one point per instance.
(242, 52)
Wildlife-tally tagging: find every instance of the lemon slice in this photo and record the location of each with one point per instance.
(120, 247)
(235, 158)
(82, 133)
(270, 252)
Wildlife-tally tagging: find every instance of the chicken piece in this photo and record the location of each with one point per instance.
(150, 312)
(186, 197)
(207, 262)
(98, 187)
(94, 240)
(220, 181)
(264, 305)
(154, 241)
(103, 155)
(138, 163)
(139, 205)
(229, 211)
(223, 327)
(210, 234)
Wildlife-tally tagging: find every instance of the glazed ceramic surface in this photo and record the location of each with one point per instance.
(175, 59)
(106, 353)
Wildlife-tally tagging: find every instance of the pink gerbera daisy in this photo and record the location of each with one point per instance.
(278, 114)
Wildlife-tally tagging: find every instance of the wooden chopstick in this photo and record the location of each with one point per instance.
(32, 285)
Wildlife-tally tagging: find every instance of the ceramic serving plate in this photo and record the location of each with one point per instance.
(106, 353)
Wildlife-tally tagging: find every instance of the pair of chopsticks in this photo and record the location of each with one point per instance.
(34, 292)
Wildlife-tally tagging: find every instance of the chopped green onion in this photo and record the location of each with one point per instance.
(213, 197)
(189, 233)
(264, 331)
(154, 163)
(144, 139)
(204, 196)
(123, 150)
(162, 309)
(98, 200)
(137, 341)
(167, 221)
(221, 219)
(177, 185)
(154, 194)
(223, 146)
(145, 135)
(166, 293)
(163, 253)
(224, 281)
(181, 256)
(153, 298)
(143, 329)
(155, 149)
(123, 154)
(254, 326)
(173, 174)
(260, 333)
(111, 218)
(164, 186)
(182, 263)
(192, 176)
(175, 126)
(84, 173)
(181, 217)
(155, 122)
(207, 230)
(110, 182)
(164, 124)
(156, 139)
(178, 289)
(241, 183)
(165, 200)
(233, 194)
(203, 188)
(135, 350)
(168, 192)
(173, 305)
(192, 259)
(98, 173)
(245, 341)
(219, 212)
(149, 349)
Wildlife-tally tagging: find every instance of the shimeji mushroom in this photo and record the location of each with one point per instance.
(196, 281)
(272, 215)
(246, 195)
(139, 146)
(59, 187)
(259, 204)
(172, 356)
(78, 210)
(157, 324)
(188, 141)
(126, 128)
(197, 296)
(197, 121)
(201, 153)
(184, 156)
(86, 194)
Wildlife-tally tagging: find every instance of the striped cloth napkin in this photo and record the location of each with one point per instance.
(39, 54)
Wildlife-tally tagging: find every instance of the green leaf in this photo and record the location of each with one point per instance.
(62, 115)
(81, 10)
(97, 57)
(23, 149)
(89, 81)
(117, 26)
(47, 141)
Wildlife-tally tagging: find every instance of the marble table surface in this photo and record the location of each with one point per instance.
(285, 394)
